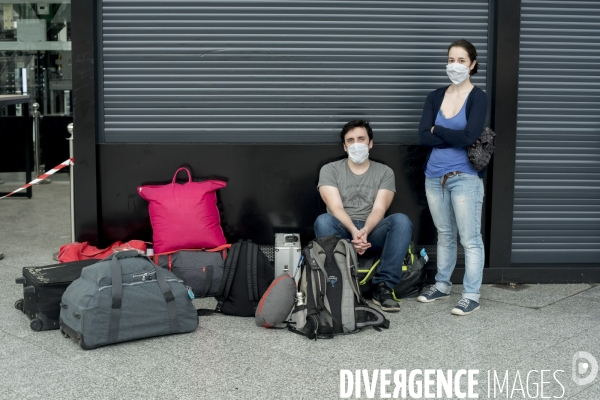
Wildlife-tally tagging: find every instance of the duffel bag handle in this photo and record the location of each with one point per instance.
(124, 254)
(127, 254)
(184, 169)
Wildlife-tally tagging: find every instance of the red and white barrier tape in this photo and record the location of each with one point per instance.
(60, 166)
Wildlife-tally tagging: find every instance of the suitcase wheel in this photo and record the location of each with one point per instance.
(65, 334)
(19, 304)
(36, 324)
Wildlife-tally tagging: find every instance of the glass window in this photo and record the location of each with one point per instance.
(35, 54)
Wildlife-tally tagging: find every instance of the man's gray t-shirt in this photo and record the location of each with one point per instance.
(358, 192)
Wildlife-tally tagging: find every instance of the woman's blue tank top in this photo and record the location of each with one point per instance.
(452, 159)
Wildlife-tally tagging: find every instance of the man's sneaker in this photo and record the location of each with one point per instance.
(432, 295)
(383, 298)
(1, 255)
(465, 307)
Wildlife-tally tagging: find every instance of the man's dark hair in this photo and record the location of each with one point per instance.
(357, 123)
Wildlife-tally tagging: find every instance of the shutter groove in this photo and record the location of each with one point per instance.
(557, 176)
(276, 71)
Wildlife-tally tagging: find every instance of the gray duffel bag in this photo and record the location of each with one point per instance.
(125, 297)
(199, 269)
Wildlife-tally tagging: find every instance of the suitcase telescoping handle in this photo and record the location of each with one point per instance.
(116, 272)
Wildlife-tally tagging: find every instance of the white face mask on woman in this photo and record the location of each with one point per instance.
(358, 153)
(457, 73)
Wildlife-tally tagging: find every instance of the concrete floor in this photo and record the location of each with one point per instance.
(538, 328)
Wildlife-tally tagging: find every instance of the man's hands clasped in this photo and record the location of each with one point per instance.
(359, 240)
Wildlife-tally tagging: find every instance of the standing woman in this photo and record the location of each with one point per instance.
(453, 118)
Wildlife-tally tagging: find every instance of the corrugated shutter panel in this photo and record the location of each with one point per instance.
(557, 187)
(276, 71)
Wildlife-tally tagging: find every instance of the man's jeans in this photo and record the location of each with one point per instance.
(457, 208)
(391, 236)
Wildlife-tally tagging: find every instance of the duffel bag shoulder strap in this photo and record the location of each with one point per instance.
(228, 273)
(165, 288)
(222, 248)
(368, 273)
(169, 257)
(116, 276)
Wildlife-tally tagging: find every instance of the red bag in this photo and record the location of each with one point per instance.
(184, 216)
(84, 251)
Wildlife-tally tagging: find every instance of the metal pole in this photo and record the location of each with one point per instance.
(36, 137)
(70, 139)
(36, 132)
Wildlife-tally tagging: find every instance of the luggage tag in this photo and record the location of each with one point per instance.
(190, 293)
(424, 255)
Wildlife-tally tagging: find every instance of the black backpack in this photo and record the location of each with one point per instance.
(331, 302)
(414, 274)
(480, 153)
(247, 275)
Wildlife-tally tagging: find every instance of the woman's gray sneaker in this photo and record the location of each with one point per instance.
(432, 295)
(465, 307)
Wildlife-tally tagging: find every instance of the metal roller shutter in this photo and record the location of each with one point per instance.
(557, 186)
(276, 71)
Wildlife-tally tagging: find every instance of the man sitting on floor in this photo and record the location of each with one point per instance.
(357, 193)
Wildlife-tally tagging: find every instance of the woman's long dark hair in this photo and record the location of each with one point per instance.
(469, 48)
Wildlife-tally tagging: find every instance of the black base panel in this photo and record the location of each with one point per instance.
(529, 273)
(13, 136)
(53, 144)
(270, 188)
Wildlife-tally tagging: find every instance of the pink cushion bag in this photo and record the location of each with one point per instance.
(184, 216)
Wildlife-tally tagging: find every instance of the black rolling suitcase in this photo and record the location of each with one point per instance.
(43, 288)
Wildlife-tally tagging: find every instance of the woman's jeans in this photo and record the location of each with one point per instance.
(457, 208)
(391, 236)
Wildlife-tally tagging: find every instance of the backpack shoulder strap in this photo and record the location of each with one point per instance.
(255, 250)
(352, 267)
(251, 272)
(228, 274)
(368, 316)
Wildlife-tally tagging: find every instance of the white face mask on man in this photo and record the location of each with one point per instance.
(457, 73)
(358, 153)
